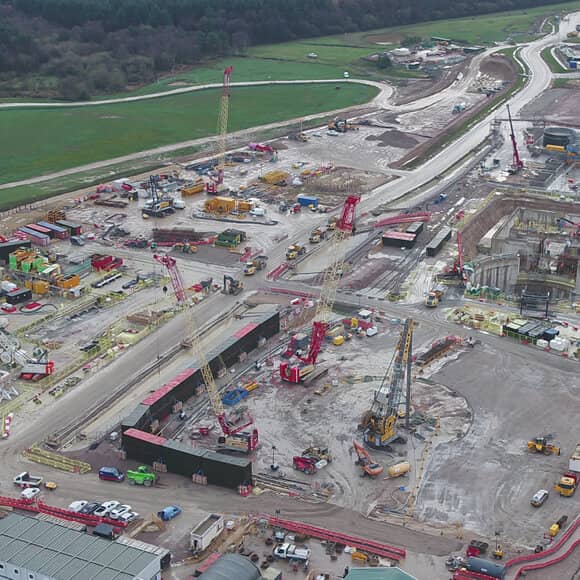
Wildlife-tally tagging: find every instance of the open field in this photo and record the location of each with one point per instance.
(106, 131)
(495, 27)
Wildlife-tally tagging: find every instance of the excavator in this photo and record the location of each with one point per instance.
(232, 286)
(541, 445)
(363, 458)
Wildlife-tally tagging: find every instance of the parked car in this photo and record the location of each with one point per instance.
(128, 517)
(105, 508)
(30, 492)
(90, 508)
(77, 506)
(540, 497)
(130, 284)
(111, 474)
(169, 512)
(119, 511)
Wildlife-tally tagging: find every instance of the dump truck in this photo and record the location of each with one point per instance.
(291, 552)
(141, 476)
(276, 177)
(434, 296)
(255, 265)
(25, 480)
(316, 235)
(294, 251)
(567, 485)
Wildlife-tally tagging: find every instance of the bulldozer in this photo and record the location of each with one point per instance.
(541, 445)
(232, 286)
(255, 265)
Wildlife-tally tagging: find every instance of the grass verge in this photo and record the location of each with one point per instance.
(552, 62)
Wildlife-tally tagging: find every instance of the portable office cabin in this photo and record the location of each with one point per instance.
(7, 248)
(35, 237)
(58, 231)
(437, 242)
(415, 228)
(74, 228)
(40, 229)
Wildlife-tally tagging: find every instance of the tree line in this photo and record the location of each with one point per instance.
(75, 48)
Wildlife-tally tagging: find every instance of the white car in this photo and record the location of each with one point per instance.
(119, 511)
(30, 492)
(106, 508)
(77, 506)
(128, 517)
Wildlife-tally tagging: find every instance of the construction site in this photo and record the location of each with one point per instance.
(326, 365)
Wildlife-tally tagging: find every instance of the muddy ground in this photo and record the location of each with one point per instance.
(556, 106)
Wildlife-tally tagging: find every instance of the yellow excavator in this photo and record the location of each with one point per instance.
(541, 445)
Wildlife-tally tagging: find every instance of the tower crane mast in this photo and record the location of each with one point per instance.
(517, 163)
(379, 423)
(327, 298)
(215, 181)
(234, 435)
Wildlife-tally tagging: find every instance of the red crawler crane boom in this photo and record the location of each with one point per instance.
(332, 276)
(517, 163)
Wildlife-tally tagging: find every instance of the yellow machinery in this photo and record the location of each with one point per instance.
(294, 251)
(379, 422)
(541, 445)
(567, 485)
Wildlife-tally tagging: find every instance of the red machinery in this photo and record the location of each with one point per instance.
(294, 374)
(215, 181)
(369, 465)
(517, 163)
(235, 437)
(305, 464)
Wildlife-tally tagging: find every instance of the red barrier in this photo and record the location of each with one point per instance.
(423, 216)
(298, 293)
(40, 506)
(370, 546)
(540, 555)
(277, 271)
(540, 565)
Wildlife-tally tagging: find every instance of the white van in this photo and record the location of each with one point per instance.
(258, 212)
(178, 204)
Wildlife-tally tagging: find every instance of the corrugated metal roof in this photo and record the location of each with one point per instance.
(231, 566)
(143, 436)
(378, 574)
(59, 552)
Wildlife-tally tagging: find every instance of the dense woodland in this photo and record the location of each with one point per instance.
(77, 48)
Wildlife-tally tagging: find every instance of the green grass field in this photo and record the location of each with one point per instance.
(554, 64)
(49, 140)
(484, 29)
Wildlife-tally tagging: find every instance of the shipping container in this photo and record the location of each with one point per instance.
(415, 228)
(35, 237)
(306, 200)
(7, 248)
(18, 296)
(437, 242)
(58, 231)
(40, 229)
(399, 239)
(73, 228)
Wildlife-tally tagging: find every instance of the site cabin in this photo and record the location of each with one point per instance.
(205, 533)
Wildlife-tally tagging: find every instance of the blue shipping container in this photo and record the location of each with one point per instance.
(306, 200)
